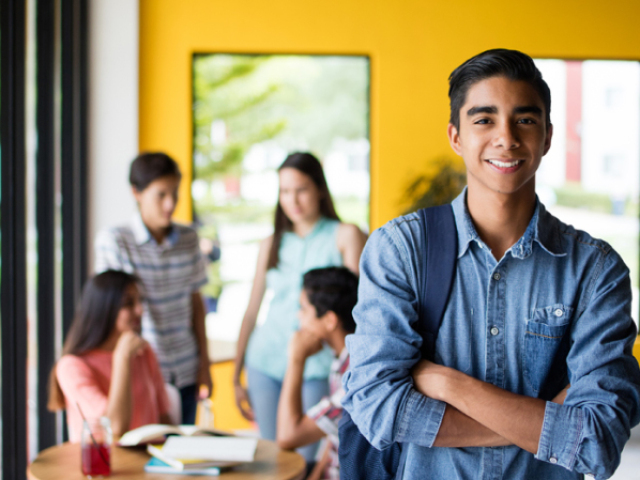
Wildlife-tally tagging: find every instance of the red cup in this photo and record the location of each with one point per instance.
(96, 448)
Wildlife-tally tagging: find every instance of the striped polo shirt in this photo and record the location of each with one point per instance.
(169, 272)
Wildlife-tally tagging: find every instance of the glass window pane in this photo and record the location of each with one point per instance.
(32, 237)
(590, 177)
(249, 112)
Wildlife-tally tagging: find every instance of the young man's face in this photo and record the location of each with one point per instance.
(308, 317)
(502, 136)
(158, 201)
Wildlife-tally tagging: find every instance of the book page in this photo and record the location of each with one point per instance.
(146, 433)
(189, 430)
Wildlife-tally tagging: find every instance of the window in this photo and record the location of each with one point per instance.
(249, 112)
(42, 82)
(590, 177)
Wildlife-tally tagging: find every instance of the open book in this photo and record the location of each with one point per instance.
(154, 432)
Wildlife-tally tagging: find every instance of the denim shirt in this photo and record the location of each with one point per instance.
(556, 309)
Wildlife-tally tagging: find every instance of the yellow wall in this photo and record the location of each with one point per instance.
(413, 46)
(226, 414)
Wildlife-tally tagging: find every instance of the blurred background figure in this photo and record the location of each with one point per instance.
(307, 234)
(107, 369)
(166, 257)
(326, 302)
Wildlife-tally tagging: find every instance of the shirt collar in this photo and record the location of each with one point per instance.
(142, 235)
(543, 229)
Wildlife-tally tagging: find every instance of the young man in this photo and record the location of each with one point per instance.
(166, 258)
(327, 299)
(538, 310)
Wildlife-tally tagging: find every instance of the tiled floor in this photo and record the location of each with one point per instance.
(629, 468)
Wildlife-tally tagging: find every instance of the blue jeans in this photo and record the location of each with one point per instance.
(189, 396)
(264, 393)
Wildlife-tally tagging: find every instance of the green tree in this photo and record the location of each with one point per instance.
(440, 184)
(221, 93)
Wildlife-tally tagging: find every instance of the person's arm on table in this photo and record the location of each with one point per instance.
(294, 428)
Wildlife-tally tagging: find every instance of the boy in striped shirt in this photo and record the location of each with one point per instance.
(166, 257)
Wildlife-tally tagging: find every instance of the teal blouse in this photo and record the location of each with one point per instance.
(268, 345)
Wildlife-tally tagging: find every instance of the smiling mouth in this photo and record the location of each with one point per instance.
(509, 164)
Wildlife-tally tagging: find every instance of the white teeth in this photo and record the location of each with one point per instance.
(500, 164)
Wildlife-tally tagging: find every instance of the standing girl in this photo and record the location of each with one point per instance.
(107, 368)
(307, 234)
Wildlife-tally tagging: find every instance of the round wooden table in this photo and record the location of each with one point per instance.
(62, 462)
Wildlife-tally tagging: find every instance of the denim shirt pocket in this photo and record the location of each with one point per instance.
(544, 333)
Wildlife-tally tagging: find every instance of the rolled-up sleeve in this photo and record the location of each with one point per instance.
(587, 433)
(379, 390)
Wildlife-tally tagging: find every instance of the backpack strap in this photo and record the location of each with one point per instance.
(438, 270)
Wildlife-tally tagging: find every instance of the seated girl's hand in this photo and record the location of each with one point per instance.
(303, 344)
(129, 345)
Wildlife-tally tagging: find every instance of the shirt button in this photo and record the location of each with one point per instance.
(558, 312)
(496, 276)
(553, 460)
(494, 331)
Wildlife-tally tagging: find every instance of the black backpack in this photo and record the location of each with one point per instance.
(359, 460)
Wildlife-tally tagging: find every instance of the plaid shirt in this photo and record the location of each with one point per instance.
(169, 272)
(328, 411)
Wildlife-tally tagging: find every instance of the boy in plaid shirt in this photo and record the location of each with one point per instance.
(327, 299)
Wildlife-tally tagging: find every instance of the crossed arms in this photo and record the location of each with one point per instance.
(479, 414)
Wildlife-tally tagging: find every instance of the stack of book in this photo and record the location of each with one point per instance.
(191, 454)
(155, 465)
(207, 455)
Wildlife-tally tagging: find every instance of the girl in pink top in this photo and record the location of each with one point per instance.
(106, 367)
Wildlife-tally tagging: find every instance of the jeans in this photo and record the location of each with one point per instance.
(264, 393)
(189, 397)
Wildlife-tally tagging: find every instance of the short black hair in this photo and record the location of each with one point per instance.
(333, 289)
(498, 62)
(150, 166)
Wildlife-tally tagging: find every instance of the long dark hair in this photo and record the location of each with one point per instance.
(94, 321)
(311, 167)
